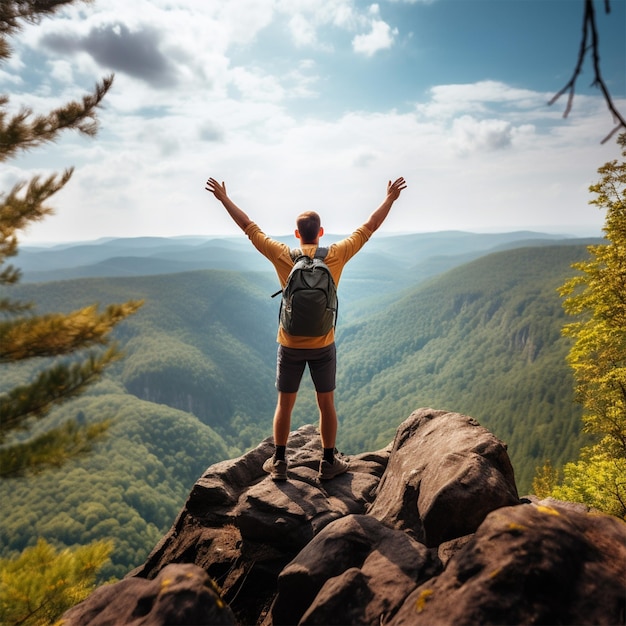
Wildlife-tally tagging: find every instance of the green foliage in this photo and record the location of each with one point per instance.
(37, 587)
(204, 343)
(53, 448)
(597, 479)
(546, 478)
(597, 296)
(53, 385)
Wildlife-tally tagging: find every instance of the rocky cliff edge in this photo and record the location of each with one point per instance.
(430, 530)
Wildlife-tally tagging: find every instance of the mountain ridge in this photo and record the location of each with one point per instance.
(67, 260)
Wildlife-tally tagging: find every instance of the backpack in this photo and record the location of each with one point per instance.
(309, 303)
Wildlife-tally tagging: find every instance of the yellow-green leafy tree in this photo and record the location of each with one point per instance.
(70, 350)
(42, 583)
(597, 297)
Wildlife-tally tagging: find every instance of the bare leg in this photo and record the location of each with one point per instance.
(328, 418)
(282, 417)
(333, 466)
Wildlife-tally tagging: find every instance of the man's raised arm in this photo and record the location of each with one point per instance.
(393, 193)
(219, 191)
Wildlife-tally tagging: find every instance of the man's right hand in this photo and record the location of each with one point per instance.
(394, 189)
(380, 214)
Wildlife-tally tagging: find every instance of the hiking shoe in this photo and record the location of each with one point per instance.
(330, 470)
(276, 468)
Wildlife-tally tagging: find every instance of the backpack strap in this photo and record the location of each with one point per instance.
(295, 254)
(320, 254)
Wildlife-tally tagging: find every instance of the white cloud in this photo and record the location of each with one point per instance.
(7, 78)
(242, 20)
(210, 131)
(450, 100)
(470, 134)
(254, 84)
(62, 71)
(380, 37)
(302, 31)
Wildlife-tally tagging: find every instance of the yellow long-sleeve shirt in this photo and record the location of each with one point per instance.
(279, 254)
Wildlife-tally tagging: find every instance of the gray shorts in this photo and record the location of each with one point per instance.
(290, 364)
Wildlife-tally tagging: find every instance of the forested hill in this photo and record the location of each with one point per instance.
(196, 385)
(195, 388)
(483, 339)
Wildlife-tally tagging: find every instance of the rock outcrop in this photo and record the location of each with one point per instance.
(429, 530)
(180, 594)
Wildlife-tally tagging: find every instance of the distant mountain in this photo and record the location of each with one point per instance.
(196, 386)
(134, 257)
(387, 256)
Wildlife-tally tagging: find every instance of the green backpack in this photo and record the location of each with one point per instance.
(309, 304)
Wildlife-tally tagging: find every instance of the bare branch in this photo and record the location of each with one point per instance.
(590, 28)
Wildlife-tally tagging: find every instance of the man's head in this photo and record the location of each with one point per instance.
(309, 227)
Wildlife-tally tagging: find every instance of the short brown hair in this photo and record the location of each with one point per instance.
(308, 224)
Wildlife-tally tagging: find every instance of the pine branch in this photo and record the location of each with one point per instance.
(57, 334)
(14, 12)
(23, 132)
(21, 206)
(589, 27)
(52, 335)
(53, 386)
(52, 449)
(25, 204)
(10, 275)
(13, 307)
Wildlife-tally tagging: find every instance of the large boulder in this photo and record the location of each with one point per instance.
(356, 568)
(180, 594)
(445, 474)
(544, 563)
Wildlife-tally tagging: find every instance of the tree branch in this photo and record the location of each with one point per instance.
(590, 28)
(21, 133)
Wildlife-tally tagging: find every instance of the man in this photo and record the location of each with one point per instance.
(295, 352)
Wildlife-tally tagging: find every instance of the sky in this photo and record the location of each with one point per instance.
(315, 105)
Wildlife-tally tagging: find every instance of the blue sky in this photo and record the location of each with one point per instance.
(314, 105)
